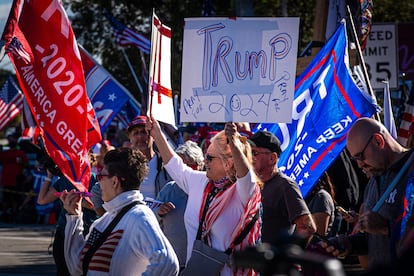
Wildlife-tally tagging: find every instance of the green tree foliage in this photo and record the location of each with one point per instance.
(393, 11)
(93, 30)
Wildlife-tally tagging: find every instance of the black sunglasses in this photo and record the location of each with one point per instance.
(101, 176)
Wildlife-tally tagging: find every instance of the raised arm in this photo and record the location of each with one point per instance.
(153, 127)
(47, 192)
(241, 164)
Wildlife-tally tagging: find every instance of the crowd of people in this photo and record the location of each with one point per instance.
(158, 200)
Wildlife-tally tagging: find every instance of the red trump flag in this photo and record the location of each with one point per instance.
(39, 41)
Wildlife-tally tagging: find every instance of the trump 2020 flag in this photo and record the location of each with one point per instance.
(326, 103)
(42, 47)
(11, 102)
(160, 93)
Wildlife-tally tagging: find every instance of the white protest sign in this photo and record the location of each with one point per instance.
(239, 69)
(381, 55)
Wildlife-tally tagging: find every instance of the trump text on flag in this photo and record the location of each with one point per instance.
(238, 69)
(49, 69)
(326, 103)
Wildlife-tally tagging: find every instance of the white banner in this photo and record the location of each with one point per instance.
(238, 69)
(160, 98)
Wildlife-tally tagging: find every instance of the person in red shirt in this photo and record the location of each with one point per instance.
(13, 162)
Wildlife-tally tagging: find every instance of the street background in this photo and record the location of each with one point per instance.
(24, 250)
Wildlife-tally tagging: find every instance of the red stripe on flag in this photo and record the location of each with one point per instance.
(406, 128)
(11, 102)
(161, 28)
(161, 90)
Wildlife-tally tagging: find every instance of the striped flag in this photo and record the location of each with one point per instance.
(11, 102)
(389, 121)
(126, 37)
(29, 127)
(17, 48)
(407, 121)
(160, 92)
(101, 259)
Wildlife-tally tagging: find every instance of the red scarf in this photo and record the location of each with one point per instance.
(221, 200)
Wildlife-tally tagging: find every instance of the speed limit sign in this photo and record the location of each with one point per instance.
(381, 55)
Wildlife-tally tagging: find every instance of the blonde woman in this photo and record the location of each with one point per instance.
(228, 190)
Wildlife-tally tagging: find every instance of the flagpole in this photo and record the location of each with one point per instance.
(361, 58)
(144, 67)
(132, 71)
(153, 63)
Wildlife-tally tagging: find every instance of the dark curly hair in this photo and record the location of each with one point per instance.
(130, 165)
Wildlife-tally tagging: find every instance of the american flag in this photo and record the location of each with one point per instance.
(406, 129)
(29, 127)
(17, 48)
(126, 37)
(389, 121)
(11, 102)
(101, 260)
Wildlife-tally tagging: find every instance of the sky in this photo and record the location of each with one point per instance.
(5, 6)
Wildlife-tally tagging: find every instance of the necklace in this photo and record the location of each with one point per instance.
(221, 183)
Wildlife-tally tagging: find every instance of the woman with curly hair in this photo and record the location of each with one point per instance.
(136, 245)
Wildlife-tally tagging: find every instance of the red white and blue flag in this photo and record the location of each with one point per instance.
(11, 102)
(101, 259)
(40, 43)
(406, 129)
(125, 36)
(326, 103)
(161, 104)
(389, 121)
(106, 94)
(29, 126)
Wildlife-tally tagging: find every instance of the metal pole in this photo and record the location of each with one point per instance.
(132, 71)
(360, 57)
(284, 8)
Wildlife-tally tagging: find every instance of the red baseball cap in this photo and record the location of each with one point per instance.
(137, 121)
(106, 143)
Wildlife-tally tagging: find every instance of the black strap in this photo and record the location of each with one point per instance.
(88, 255)
(242, 234)
(209, 199)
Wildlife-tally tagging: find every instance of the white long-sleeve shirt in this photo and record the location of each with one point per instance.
(193, 183)
(136, 246)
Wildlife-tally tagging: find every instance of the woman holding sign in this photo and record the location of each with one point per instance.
(223, 201)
